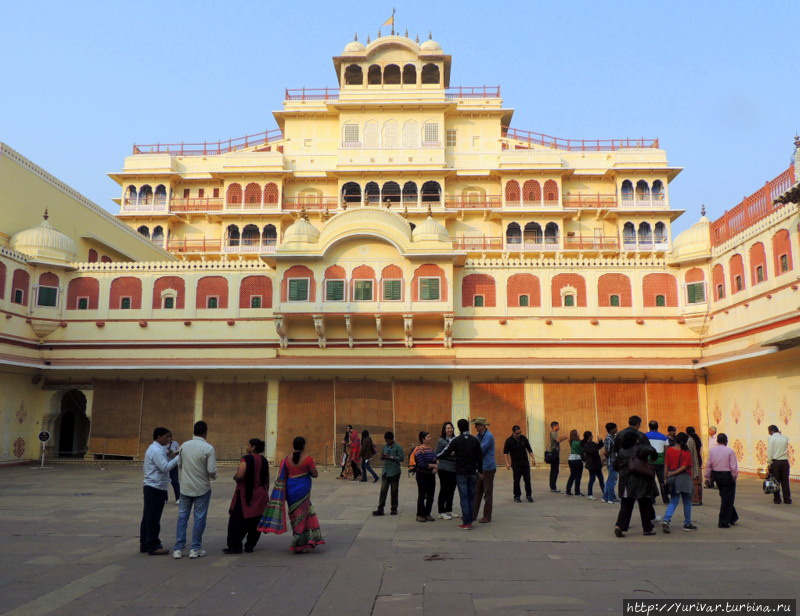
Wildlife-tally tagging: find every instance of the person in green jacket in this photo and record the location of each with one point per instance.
(392, 456)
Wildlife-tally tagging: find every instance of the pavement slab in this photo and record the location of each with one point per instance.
(70, 547)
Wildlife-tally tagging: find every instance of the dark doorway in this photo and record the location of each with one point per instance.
(72, 425)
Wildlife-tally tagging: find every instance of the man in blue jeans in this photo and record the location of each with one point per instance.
(611, 456)
(198, 464)
(469, 466)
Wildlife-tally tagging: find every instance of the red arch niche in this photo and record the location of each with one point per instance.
(694, 275)
(176, 283)
(125, 286)
(718, 279)
(2, 280)
(212, 286)
(736, 268)
(478, 284)
(512, 191)
(575, 281)
(83, 287)
(758, 257)
(614, 284)
(429, 270)
(660, 284)
(255, 285)
(298, 271)
(782, 245)
(523, 284)
(20, 280)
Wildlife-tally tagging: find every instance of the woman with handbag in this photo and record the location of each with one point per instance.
(367, 451)
(592, 463)
(575, 462)
(637, 482)
(249, 499)
(446, 469)
(678, 466)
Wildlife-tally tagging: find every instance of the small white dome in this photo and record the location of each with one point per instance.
(354, 47)
(693, 243)
(301, 231)
(44, 243)
(430, 230)
(430, 45)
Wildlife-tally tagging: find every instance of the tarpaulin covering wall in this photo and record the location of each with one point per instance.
(502, 403)
(235, 413)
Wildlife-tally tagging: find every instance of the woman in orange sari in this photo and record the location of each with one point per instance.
(355, 455)
(293, 488)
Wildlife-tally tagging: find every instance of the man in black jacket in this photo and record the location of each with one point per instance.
(517, 450)
(469, 466)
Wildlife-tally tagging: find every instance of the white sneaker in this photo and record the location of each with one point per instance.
(177, 554)
(591, 498)
(177, 501)
(447, 516)
(197, 553)
(657, 518)
(441, 516)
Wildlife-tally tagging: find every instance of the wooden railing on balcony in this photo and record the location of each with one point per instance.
(590, 201)
(477, 243)
(579, 145)
(196, 204)
(157, 204)
(457, 92)
(294, 204)
(473, 203)
(213, 148)
(581, 242)
(194, 246)
(751, 209)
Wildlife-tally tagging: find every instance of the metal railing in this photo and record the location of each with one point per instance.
(158, 204)
(196, 204)
(294, 204)
(456, 92)
(213, 148)
(480, 242)
(752, 209)
(194, 246)
(597, 242)
(580, 145)
(247, 246)
(590, 201)
(474, 203)
(327, 94)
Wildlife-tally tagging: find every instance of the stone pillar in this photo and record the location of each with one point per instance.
(271, 436)
(534, 415)
(198, 400)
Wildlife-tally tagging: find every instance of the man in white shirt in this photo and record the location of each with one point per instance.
(198, 468)
(157, 465)
(778, 463)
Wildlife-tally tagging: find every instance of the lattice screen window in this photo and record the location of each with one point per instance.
(351, 133)
(430, 133)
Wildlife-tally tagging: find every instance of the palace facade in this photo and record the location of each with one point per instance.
(393, 255)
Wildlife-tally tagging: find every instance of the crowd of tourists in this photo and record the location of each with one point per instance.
(641, 468)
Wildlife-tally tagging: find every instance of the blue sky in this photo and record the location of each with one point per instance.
(716, 82)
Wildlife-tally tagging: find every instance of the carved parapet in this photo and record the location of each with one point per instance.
(319, 327)
(280, 327)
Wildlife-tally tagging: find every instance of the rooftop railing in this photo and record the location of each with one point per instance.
(751, 209)
(213, 148)
(328, 94)
(579, 145)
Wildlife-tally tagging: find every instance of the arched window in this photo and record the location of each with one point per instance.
(782, 252)
(512, 192)
(532, 234)
(92, 257)
(391, 136)
(271, 193)
(143, 230)
(130, 195)
(251, 236)
(252, 194)
(374, 75)
(642, 191)
(513, 234)
(718, 281)
(372, 193)
(551, 192)
(410, 192)
(145, 195)
(232, 235)
(372, 134)
(551, 233)
(353, 75)
(390, 192)
(409, 74)
(270, 236)
(234, 194)
(657, 192)
(350, 135)
(532, 192)
(158, 235)
(629, 235)
(627, 190)
(660, 234)
(351, 192)
(411, 134)
(430, 74)
(645, 233)
(161, 194)
(431, 192)
(391, 75)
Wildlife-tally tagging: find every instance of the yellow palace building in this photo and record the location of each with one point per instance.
(393, 255)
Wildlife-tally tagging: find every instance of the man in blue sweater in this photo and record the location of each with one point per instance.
(485, 488)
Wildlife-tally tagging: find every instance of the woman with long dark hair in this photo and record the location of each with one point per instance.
(423, 462)
(345, 461)
(446, 469)
(593, 463)
(678, 469)
(634, 485)
(367, 451)
(249, 499)
(696, 448)
(293, 488)
(575, 463)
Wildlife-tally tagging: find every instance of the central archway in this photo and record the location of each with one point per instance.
(72, 425)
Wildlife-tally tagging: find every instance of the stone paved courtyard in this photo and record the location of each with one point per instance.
(70, 546)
